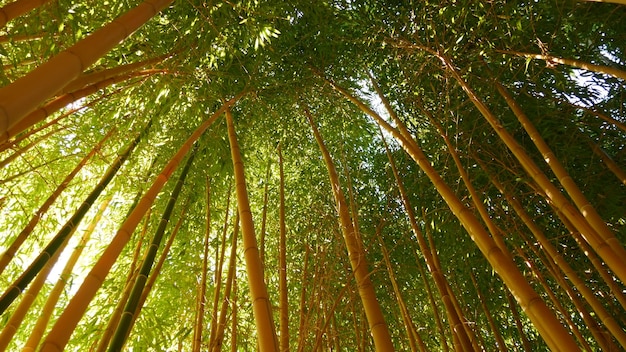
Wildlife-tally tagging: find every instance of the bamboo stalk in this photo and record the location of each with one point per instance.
(282, 261)
(495, 330)
(302, 305)
(64, 100)
(581, 202)
(23, 96)
(60, 333)
(559, 261)
(606, 245)
(154, 275)
(264, 212)
(17, 8)
(454, 320)
(8, 255)
(358, 261)
(53, 297)
(254, 267)
(21, 151)
(542, 317)
(411, 331)
(129, 315)
(553, 60)
(56, 242)
(217, 343)
(199, 322)
(105, 336)
(16, 319)
(91, 78)
(219, 260)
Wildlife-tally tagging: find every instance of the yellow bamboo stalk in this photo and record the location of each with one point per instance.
(16, 319)
(219, 262)
(622, 2)
(538, 312)
(358, 261)
(492, 324)
(411, 332)
(199, 321)
(17, 8)
(461, 338)
(62, 330)
(559, 261)
(261, 308)
(609, 248)
(476, 199)
(234, 309)
(24, 95)
(557, 304)
(433, 304)
(18, 38)
(8, 255)
(133, 272)
(302, 307)
(62, 101)
(608, 162)
(216, 344)
(282, 261)
(608, 70)
(99, 76)
(53, 297)
(585, 208)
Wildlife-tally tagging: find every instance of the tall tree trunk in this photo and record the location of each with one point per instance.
(358, 261)
(258, 291)
(60, 333)
(24, 95)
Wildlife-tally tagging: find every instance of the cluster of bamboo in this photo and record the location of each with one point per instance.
(60, 81)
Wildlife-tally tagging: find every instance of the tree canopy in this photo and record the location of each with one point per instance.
(344, 175)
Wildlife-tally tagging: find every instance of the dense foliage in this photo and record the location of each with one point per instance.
(287, 56)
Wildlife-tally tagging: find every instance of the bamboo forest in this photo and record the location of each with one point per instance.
(297, 175)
